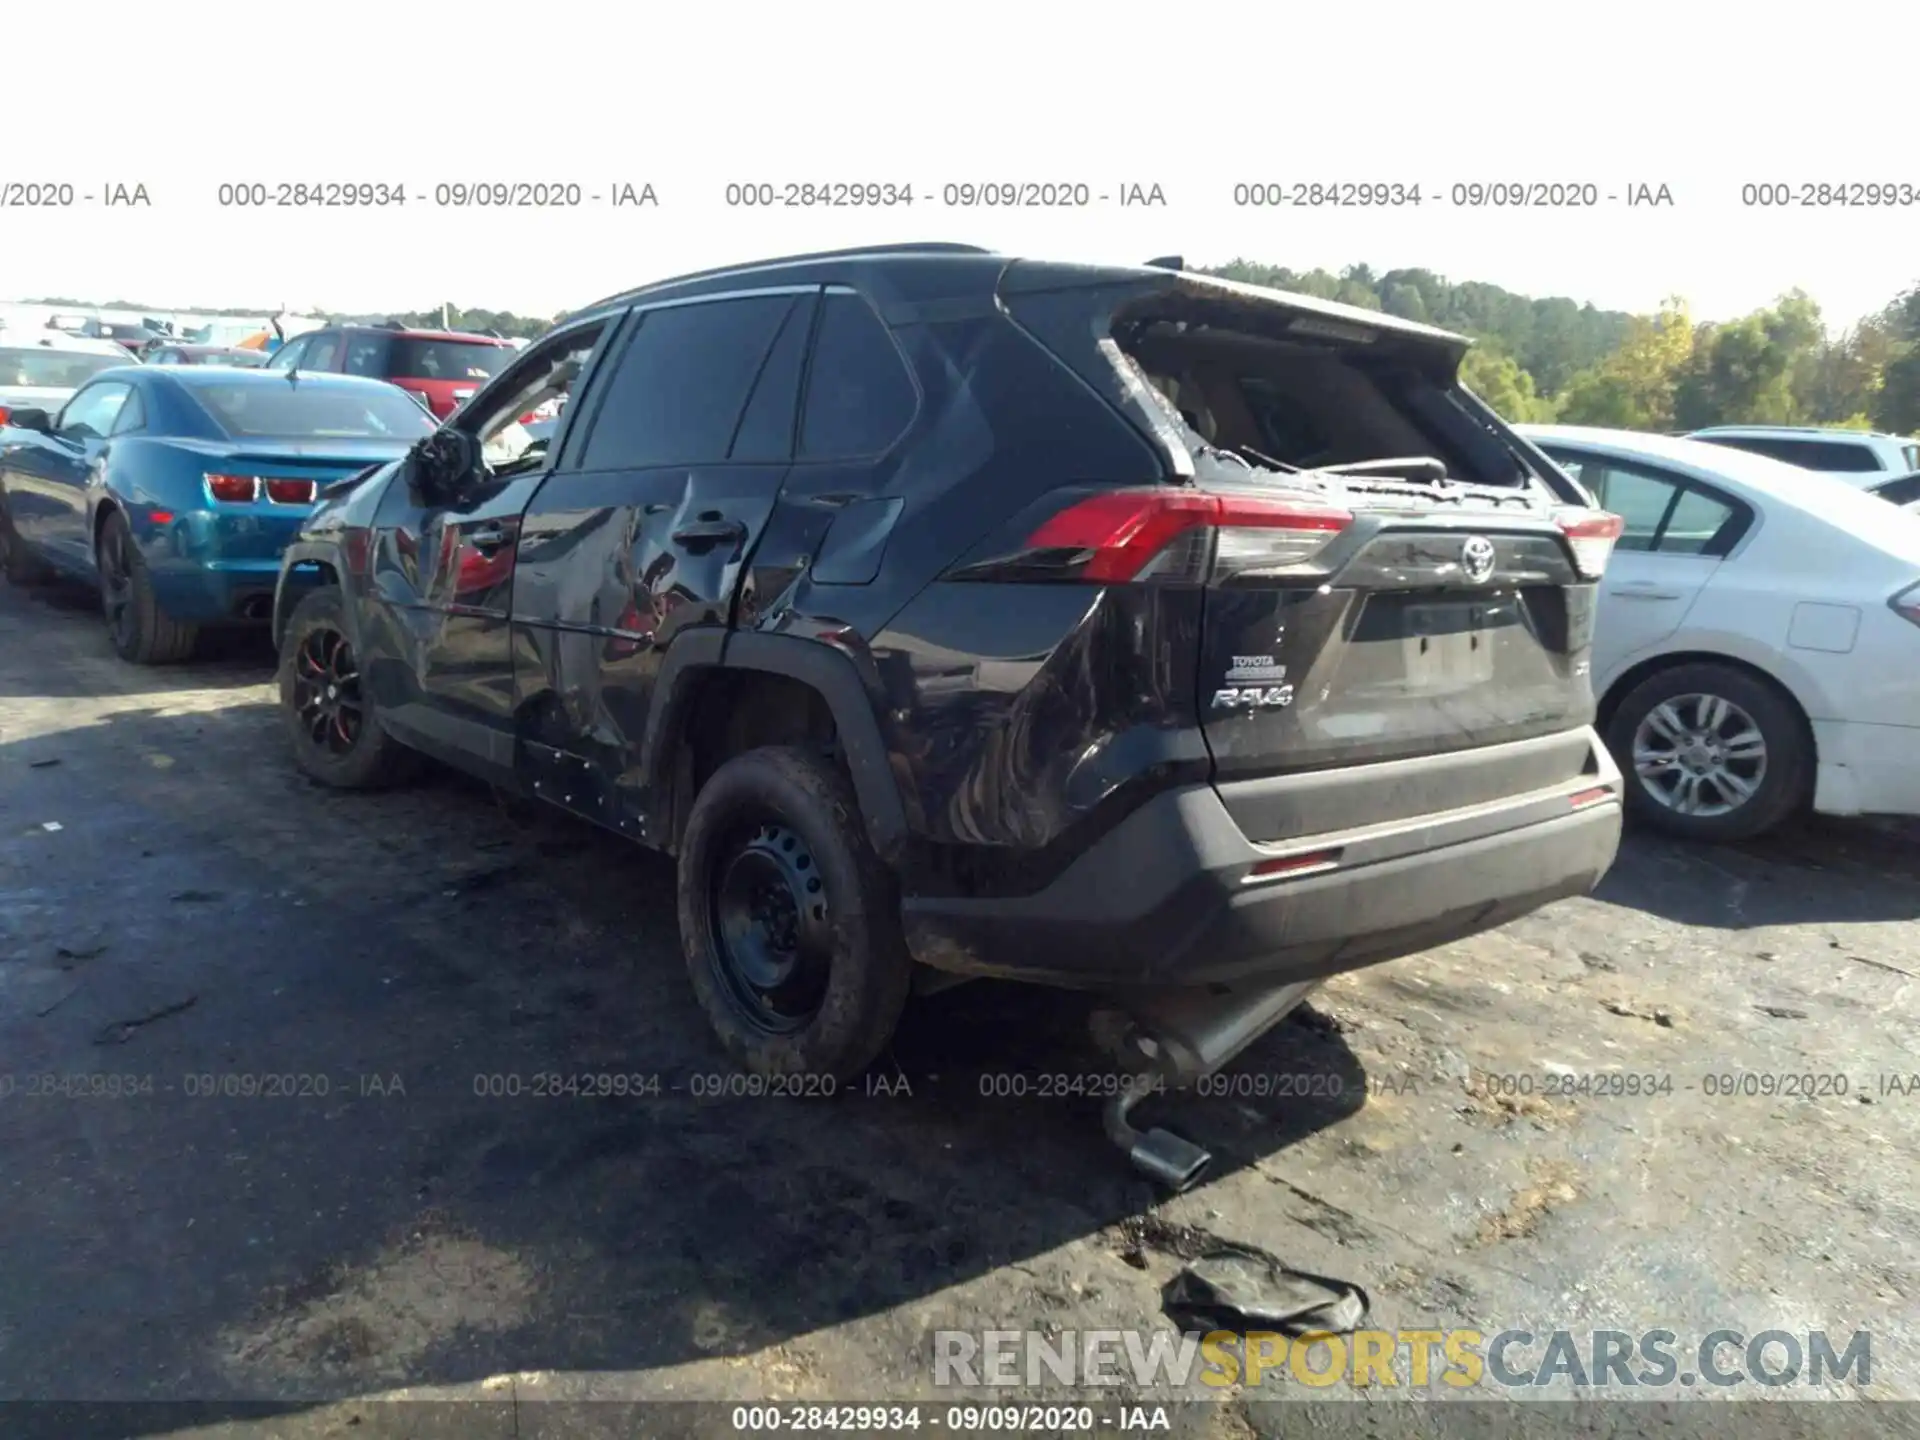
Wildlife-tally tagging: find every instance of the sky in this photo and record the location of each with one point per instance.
(1703, 98)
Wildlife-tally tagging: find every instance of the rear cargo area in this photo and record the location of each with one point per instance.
(1444, 611)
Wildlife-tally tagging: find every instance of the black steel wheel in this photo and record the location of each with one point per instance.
(790, 921)
(773, 933)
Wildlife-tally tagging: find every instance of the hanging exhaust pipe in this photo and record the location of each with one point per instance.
(1182, 1036)
(1160, 1155)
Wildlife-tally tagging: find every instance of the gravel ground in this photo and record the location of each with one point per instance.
(302, 1191)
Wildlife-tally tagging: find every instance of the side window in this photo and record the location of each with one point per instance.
(91, 413)
(323, 353)
(1637, 498)
(513, 439)
(366, 355)
(288, 355)
(679, 392)
(133, 415)
(1662, 513)
(859, 394)
(765, 434)
(1845, 459)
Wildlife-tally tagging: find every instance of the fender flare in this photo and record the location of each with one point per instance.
(302, 552)
(827, 670)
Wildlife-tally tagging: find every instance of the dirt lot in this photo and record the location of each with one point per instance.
(181, 913)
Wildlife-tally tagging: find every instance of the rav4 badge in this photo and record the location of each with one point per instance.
(1253, 697)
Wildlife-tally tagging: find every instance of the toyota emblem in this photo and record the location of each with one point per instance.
(1476, 558)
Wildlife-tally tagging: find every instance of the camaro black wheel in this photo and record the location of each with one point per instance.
(1711, 753)
(140, 630)
(791, 923)
(330, 719)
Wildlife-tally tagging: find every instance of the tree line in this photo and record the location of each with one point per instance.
(1558, 360)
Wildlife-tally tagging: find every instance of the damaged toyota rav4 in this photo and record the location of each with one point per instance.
(950, 615)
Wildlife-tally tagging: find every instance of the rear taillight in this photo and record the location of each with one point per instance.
(234, 489)
(1590, 535)
(290, 492)
(1164, 533)
(1907, 604)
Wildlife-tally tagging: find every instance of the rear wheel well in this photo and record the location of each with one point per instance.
(313, 573)
(1646, 669)
(734, 711)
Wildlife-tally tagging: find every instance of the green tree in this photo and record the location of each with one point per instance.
(1634, 387)
(1744, 372)
(1499, 380)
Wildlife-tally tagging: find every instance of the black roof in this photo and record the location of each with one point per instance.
(916, 275)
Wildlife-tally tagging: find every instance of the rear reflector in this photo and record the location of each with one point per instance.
(290, 492)
(1581, 799)
(1295, 864)
(1160, 532)
(1907, 604)
(1591, 535)
(234, 489)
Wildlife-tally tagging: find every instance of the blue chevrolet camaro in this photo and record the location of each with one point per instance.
(175, 489)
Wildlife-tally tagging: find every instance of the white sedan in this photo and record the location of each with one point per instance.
(42, 368)
(1757, 648)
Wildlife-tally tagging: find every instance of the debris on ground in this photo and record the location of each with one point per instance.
(1242, 1288)
(1552, 1187)
(1658, 1014)
(195, 897)
(122, 1031)
(42, 764)
(1781, 1012)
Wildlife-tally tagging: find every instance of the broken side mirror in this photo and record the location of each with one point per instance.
(26, 417)
(444, 464)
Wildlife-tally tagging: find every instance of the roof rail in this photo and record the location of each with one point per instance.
(916, 247)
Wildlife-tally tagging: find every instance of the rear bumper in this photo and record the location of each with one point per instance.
(1866, 769)
(225, 591)
(1168, 896)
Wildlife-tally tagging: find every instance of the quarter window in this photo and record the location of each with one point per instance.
(859, 394)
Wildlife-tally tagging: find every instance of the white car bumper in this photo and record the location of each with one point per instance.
(1866, 769)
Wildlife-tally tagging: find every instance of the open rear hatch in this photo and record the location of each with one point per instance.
(1388, 572)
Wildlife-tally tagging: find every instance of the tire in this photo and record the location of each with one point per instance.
(332, 727)
(142, 633)
(20, 565)
(1777, 772)
(783, 824)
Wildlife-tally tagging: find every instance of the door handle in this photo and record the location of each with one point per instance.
(487, 537)
(709, 532)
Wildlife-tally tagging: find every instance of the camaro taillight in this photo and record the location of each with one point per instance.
(290, 492)
(234, 489)
(1590, 535)
(1164, 533)
(1907, 604)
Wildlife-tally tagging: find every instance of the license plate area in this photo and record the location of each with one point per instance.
(1447, 645)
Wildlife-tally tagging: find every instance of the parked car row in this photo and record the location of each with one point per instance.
(947, 614)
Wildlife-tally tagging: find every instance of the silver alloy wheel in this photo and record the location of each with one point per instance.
(1700, 755)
